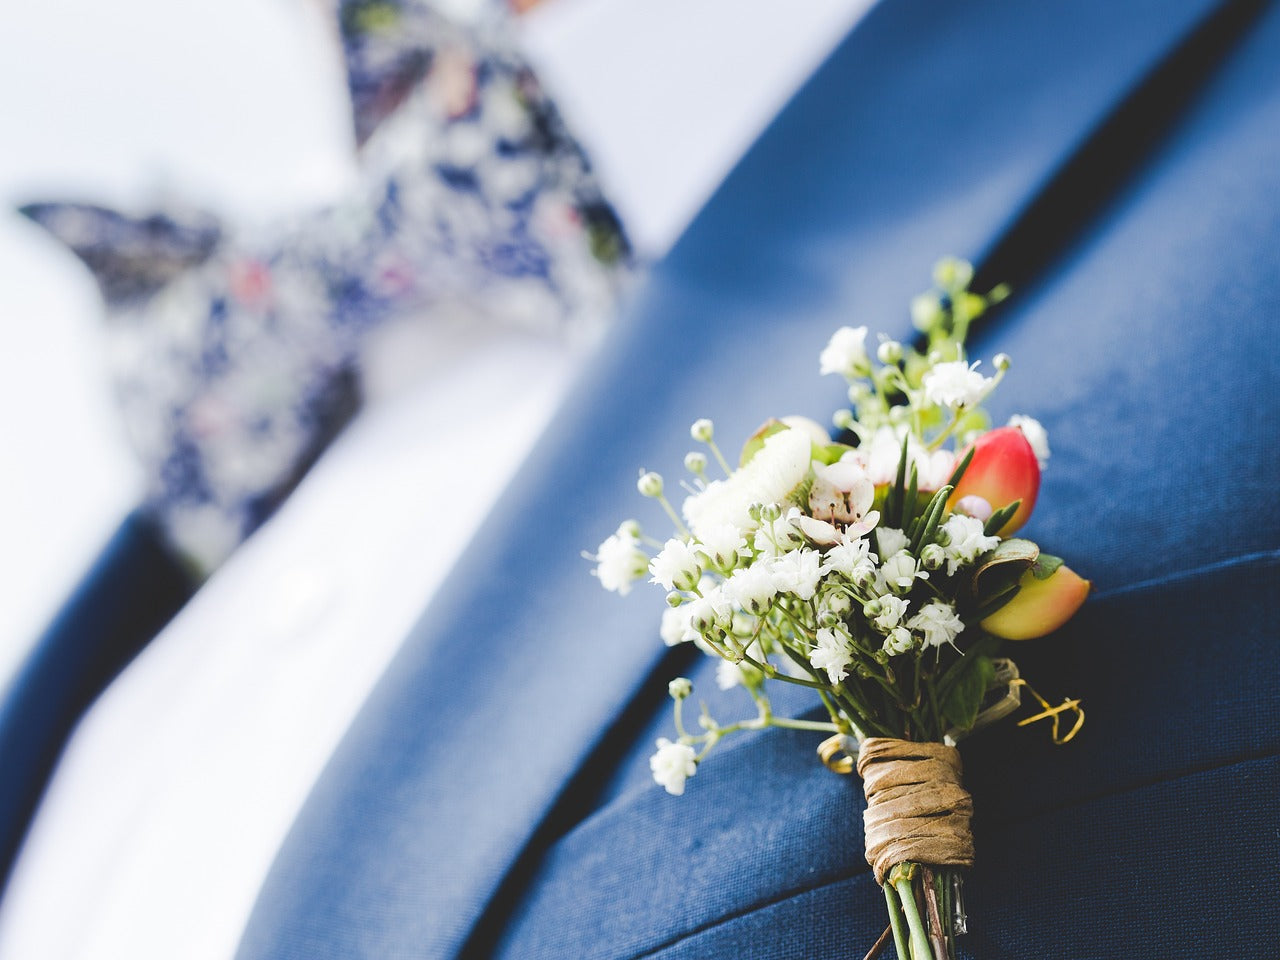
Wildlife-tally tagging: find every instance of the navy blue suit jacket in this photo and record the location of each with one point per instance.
(1118, 164)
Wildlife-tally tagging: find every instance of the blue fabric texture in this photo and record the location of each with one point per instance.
(133, 589)
(492, 798)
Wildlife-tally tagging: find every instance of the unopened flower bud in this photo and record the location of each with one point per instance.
(629, 528)
(702, 430)
(838, 604)
(974, 506)
(695, 463)
(889, 352)
(680, 688)
(925, 310)
(828, 619)
(842, 419)
(933, 556)
(649, 484)
(753, 512)
(951, 273)
(872, 609)
(1001, 361)
(675, 598)
(770, 512)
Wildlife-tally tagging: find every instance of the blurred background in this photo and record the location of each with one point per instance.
(240, 107)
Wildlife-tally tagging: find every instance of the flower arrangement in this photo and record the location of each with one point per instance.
(881, 570)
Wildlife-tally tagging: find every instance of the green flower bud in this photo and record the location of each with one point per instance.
(680, 688)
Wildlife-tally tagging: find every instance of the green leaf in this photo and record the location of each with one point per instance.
(958, 473)
(909, 506)
(962, 702)
(998, 519)
(1045, 565)
(932, 517)
(897, 494)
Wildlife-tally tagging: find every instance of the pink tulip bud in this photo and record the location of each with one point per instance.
(1003, 469)
(1040, 607)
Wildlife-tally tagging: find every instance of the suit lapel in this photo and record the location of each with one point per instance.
(514, 675)
(132, 591)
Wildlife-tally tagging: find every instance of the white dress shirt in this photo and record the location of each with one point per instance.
(179, 785)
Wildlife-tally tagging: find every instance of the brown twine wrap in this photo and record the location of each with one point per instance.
(917, 809)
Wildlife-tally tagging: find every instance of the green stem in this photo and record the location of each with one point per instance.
(895, 921)
(920, 949)
(818, 725)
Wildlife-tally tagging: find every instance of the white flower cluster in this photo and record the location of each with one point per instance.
(785, 566)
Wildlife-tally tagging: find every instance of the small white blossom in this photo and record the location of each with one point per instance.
(845, 353)
(752, 588)
(672, 765)
(723, 544)
(892, 610)
(845, 558)
(898, 641)
(966, 541)
(1036, 435)
(675, 627)
(797, 573)
(776, 537)
(890, 540)
(620, 561)
(702, 430)
(954, 384)
(649, 484)
(833, 653)
(676, 566)
(900, 572)
(938, 623)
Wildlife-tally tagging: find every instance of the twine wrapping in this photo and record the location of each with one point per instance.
(917, 809)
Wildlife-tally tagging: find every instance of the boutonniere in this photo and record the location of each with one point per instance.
(883, 571)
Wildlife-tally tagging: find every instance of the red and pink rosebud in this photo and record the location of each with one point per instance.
(1003, 469)
(1040, 606)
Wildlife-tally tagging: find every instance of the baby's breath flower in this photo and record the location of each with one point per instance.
(965, 541)
(844, 558)
(892, 610)
(751, 588)
(777, 536)
(797, 573)
(898, 641)
(680, 688)
(833, 652)
(620, 561)
(933, 556)
(901, 571)
(1036, 435)
(672, 765)
(676, 566)
(954, 384)
(937, 623)
(846, 353)
(722, 544)
(675, 627)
